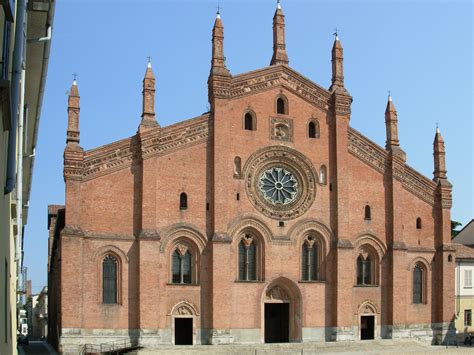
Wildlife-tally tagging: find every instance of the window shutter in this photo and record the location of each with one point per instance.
(467, 278)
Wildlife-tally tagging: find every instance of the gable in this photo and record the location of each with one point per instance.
(161, 141)
(279, 75)
(376, 157)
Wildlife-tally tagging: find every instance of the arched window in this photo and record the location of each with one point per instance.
(249, 122)
(182, 266)
(183, 201)
(418, 223)
(367, 214)
(109, 279)
(323, 178)
(281, 106)
(366, 269)
(237, 167)
(313, 129)
(247, 259)
(418, 284)
(309, 260)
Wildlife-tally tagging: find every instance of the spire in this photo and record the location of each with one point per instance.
(279, 46)
(218, 58)
(73, 109)
(148, 108)
(439, 157)
(337, 64)
(391, 123)
(392, 143)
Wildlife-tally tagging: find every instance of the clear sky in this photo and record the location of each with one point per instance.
(420, 50)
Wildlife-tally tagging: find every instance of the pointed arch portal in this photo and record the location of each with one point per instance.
(282, 312)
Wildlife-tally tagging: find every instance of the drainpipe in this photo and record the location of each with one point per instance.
(19, 178)
(20, 37)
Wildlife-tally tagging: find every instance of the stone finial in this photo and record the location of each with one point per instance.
(279, 47)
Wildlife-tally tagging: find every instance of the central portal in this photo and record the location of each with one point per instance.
(277, 322)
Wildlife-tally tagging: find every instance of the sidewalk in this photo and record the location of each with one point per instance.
(36, 348)
(360, 347)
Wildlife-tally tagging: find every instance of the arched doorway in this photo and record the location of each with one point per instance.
(367, 321)
(282, 312)
(184, 323)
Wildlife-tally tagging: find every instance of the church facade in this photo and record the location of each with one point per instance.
(266, 219)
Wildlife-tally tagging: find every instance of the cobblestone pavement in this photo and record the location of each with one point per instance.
(364, 347)
(35, 348)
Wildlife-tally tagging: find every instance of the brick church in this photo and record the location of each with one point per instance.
(267, 219)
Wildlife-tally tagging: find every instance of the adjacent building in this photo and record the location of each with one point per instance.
(465, 280)
(25, 33)
(267, 219)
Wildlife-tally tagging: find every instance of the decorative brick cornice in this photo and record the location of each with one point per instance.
(72, 230)
(376, 157)
(123, 154)
(267, 78)
(73, 162)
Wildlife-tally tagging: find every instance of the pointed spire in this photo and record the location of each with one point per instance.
(337, 63)
(148, 107)
(279, 47)
(392, 143)
(218, 58)
(73, 109)
(439, 153)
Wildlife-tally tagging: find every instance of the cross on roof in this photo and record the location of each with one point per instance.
(149, 59)
(335, 32)
(75, 75)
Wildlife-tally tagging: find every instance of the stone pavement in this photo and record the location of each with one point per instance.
(359, 347)
(36, 348)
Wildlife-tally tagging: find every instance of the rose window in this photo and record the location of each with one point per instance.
(278, 186)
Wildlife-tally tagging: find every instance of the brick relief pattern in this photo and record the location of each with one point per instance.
(265, 79)
(373, 155)
(125, 153)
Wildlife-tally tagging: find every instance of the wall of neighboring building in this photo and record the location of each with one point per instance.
(464, 296)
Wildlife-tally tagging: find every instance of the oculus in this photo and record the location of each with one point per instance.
(278, 186)
(280, 182)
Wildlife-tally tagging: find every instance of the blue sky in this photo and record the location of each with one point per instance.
(420, 50)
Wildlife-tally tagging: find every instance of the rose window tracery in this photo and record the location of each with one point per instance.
(278, 186)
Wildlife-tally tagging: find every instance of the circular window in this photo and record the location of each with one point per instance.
(278, 186)
(280, 182)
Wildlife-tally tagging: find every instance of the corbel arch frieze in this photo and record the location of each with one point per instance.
(249, 222)
(110, 249)
(182, 230)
